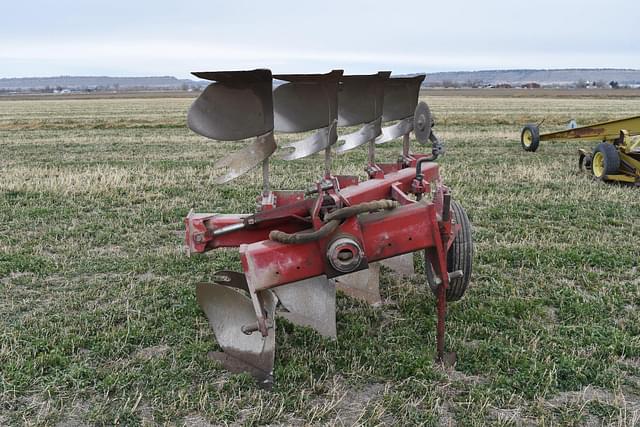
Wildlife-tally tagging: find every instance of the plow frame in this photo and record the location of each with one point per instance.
(414, 225)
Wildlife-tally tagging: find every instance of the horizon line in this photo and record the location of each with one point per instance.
(428, 73)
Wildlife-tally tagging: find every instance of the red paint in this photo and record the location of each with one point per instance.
(411, 227)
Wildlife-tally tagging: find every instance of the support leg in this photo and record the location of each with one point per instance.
(440, 328)
(438, 259)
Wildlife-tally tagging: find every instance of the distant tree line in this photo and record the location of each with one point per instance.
(580, 84)
(99, 88)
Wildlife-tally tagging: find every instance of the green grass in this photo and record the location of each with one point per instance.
(99, 322)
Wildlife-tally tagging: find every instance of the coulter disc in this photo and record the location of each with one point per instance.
(422, 122)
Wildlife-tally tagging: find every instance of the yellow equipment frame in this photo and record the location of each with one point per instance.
(605, 131)
(623, 134)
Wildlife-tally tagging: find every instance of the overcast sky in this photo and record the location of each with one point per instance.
(142, 37)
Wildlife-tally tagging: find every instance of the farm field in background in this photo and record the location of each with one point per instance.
(99, 322)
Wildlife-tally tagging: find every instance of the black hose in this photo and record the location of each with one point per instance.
(350, 211)
(304, 236)
(332, 221)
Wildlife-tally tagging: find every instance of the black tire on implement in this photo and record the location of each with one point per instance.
(530, 137)
(459, 256)
(605, 161)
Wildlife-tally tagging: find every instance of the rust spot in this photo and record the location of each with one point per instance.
(582, 132)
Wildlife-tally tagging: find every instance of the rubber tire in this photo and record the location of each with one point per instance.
(535, 137)
(459, 256)
(611, 159)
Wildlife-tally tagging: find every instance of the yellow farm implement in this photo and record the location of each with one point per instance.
(615, 158)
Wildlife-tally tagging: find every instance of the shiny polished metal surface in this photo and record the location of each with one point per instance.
(360, 101)
(368, 132)
(228, 311)
(318, 141)
(397, 130)
(245, 159)
(310, 302)
(401, 95)
(236, 106)
(307, 102)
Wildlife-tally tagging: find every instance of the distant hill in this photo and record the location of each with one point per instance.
(563, 77)
(79, 83)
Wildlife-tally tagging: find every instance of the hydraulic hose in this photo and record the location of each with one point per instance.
(332, 221)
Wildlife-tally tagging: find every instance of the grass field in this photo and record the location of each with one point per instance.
(99, 323)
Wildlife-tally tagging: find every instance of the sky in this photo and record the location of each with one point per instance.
(145, 38)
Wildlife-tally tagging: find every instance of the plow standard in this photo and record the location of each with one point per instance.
(299, 246)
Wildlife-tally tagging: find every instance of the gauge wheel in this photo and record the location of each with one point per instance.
(459, 257)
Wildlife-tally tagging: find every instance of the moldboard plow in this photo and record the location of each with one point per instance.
(300, 245)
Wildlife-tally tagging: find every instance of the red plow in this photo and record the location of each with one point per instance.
(299, 246)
